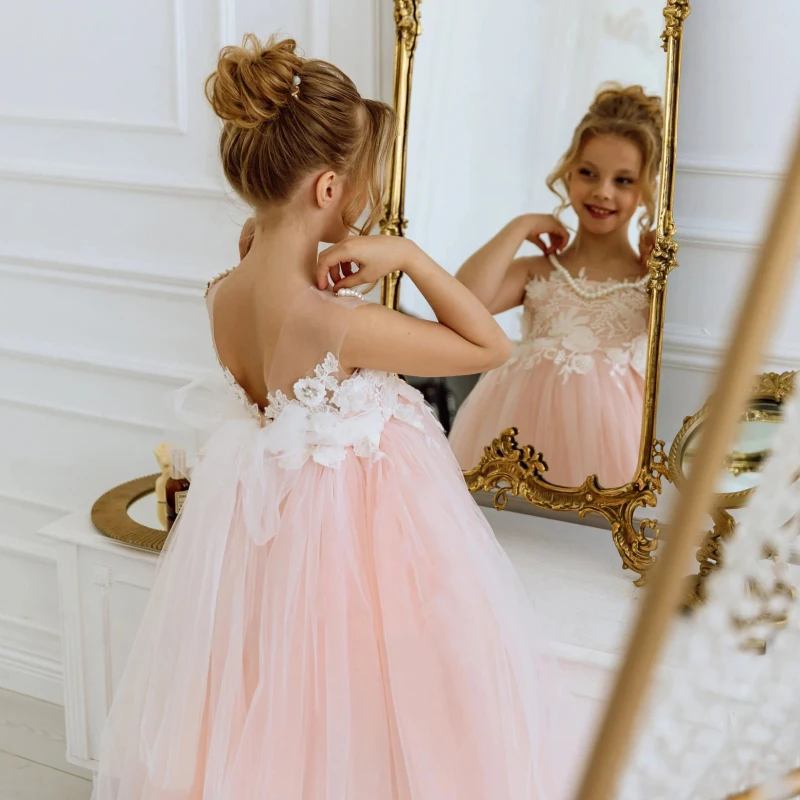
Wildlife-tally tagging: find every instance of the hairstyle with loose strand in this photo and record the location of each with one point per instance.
(285, 117)
(627, 112)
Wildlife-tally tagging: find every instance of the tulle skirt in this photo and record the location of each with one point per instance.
(351, 633)
(587, 425)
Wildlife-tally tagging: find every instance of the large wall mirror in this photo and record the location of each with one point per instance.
(536, 159)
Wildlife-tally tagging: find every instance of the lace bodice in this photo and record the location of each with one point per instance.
(327, 415)
(579, 325)
(314, 410)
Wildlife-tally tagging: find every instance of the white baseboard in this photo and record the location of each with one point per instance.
(30, 660)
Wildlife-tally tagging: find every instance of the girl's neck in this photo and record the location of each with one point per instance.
(594, 248)
(283, 244)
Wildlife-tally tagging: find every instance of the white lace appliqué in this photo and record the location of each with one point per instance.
(327, 416)
(577, 333)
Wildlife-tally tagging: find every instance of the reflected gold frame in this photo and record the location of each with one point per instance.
(407, 30)
(770, 386)
(507, 467)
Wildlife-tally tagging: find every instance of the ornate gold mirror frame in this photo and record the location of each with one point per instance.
(506, 467)
(772, 388)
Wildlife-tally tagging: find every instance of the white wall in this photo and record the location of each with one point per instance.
(113, 217)
(740, 98)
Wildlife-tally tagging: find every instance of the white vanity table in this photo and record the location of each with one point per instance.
(572, 573)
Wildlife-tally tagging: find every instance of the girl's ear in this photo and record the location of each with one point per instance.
(326, 189)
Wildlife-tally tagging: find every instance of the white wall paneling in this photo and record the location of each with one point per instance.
(737, 118)
(115, 213)
(30, 647)
(62, 101)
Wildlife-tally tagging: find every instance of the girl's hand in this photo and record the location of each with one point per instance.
(363, 259)
(246, 237)
(647, 242)
(540, 225)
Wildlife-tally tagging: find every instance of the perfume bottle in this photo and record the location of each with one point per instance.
(177, 485)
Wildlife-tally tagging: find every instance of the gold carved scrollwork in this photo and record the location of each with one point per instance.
(675, 13)
(507, 468)
(664, 256)
(407, 22)
(771, 387)
(775, 386)
(709, 554)
(407, 30)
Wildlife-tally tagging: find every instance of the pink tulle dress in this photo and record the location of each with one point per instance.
(333, 618)
(574, 385)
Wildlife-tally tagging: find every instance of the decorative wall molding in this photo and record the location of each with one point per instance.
(30, 653)
(30, 661)
(699, 165)
(319, 28)
(688, 236)
(177, 126)
(226, 20)
(75, 413)
(691, 348)
(161, 283)
(31, 171)
(84, 359)
(27, 545)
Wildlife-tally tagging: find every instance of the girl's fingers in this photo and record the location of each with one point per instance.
(348, 283)
(329, 259)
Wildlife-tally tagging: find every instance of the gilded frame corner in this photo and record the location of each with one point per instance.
(506, 467)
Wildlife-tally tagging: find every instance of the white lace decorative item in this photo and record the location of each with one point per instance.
(327, 416)
(575, 322)
(725, 718)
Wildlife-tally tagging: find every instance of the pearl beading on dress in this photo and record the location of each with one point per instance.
(224, 274)
(217, 278)
(349, 293)
(601, 291)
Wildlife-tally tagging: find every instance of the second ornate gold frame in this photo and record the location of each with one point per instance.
(506, 467)
(772, 387)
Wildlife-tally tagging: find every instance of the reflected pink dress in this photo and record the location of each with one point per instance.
(574, 384)
(333, 618)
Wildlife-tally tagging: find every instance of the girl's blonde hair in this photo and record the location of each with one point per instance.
(286, 117)
(631, 114)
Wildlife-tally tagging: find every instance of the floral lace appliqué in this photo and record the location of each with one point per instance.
(577, 333)
(241, 395)
(327, 416)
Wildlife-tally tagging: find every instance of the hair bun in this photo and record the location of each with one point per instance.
(630, 103)
(252, 83)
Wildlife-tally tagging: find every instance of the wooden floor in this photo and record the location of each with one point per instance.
(32, 763)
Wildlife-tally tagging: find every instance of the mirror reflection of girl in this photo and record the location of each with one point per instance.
(333, 618)
(574, 384)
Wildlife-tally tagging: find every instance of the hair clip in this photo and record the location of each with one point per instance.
(296, 82)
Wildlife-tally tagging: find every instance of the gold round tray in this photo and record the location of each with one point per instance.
(110, 515)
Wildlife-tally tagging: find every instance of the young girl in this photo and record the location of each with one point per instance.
(574, 383)
(333, 618)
